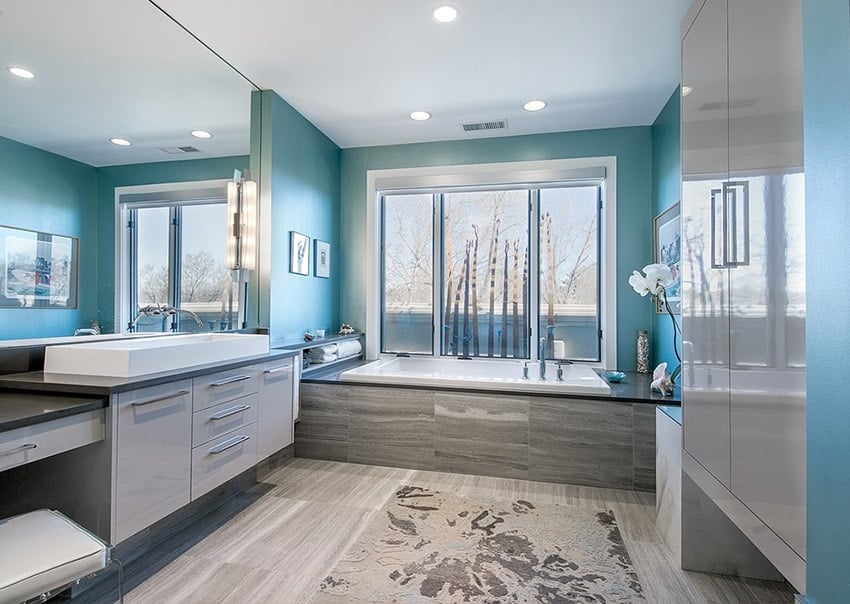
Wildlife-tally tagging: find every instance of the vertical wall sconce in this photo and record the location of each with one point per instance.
(242, 225)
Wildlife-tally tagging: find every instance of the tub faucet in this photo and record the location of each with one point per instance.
(152, 310)
(86, 331)
(542, 354)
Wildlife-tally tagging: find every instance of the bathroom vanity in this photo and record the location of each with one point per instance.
(150, 443)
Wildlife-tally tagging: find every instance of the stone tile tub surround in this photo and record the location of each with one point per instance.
(593, 442)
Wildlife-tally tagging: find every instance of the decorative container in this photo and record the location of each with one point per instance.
(642, 351)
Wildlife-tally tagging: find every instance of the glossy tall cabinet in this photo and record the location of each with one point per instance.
(743, 281)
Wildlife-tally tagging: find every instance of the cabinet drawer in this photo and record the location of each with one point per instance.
(275, 426)
(224, 386)
(220, 419)
(223, 458)
(38, 441)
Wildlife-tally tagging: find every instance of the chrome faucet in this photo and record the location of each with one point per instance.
(542, 355)
(153, 310)
(86, 331)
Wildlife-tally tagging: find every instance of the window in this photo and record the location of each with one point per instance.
(174, 247)
(486, 270)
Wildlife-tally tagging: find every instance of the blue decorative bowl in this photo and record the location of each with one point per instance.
(615, 376)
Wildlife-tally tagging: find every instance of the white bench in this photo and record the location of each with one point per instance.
(43, 552)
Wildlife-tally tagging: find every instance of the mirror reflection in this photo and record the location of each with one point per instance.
(80, 80)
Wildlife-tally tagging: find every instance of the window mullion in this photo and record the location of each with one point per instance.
(437, 283)
(174, 245)
(133, 262)
(534, 276)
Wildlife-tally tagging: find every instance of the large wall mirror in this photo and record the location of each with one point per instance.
(105, 70)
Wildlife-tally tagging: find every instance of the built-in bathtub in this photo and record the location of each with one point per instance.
(479, 374)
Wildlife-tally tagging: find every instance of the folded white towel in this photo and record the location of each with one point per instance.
(348, 348)
(323, 359)
(323, 354)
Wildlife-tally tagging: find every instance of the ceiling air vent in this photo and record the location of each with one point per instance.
(492, 125)
(180, 150)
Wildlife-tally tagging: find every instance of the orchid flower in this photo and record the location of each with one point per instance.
(656, 278)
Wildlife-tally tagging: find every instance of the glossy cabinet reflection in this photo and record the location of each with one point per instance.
(743, 264)
(705, 287)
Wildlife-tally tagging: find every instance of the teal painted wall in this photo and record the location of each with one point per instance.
(631, 146)
(301, 173)
(141, 174)
(826, 70)
(47, 192)
(666, 190)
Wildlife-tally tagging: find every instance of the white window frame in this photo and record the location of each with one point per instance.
(496, 174)
(123, 241)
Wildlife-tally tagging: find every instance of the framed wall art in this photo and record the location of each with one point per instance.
(668, 250)
(322, 259)
(299, 253)
(37, 269)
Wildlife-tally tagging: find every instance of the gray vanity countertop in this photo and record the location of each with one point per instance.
(19, 409)
(634, 388)
(63, 383)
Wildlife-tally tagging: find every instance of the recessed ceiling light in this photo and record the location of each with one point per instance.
(420, 116)
(686, 90)
(534, 105)
(201, 134)
(121, 142)
(22, 73)
(445, 13)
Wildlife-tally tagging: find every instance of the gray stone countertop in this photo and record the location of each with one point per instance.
(20, 409)
(633, 388)
(62, 383)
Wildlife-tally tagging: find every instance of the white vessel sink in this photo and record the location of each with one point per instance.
(132, 357)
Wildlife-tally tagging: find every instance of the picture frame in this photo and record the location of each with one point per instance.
(322, 259)
(668, 250)
(38, 269)
(299, 253)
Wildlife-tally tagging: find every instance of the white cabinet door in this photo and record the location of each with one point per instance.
(153, 455)
(275, 421)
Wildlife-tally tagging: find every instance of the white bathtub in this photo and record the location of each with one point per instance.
(478, 375)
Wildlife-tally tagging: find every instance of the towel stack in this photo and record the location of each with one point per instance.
(334, 352)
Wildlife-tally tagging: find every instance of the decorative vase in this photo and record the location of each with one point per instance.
(642, 351)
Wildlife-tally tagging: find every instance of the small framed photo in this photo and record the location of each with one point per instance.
(322, 259)
(668, 250)
(299, 253)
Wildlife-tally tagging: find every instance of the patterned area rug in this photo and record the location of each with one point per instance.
(428, 546)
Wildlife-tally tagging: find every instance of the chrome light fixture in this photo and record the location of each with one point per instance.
(242, 225)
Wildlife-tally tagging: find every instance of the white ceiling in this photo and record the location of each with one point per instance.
(357, 68)
(105, 68)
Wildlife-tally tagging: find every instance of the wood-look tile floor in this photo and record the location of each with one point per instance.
(276, 542)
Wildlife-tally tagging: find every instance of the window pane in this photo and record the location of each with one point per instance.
(569, 274)
(485, 271)
(408, 312)
(152, 229)
(206, 287)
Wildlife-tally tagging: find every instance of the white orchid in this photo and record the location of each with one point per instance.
(656, 278)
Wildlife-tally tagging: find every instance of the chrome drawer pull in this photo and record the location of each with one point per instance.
(277, 369)
(231, 411)
(162, 398)
(228, 444)
(231, 380)
(21, 449)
